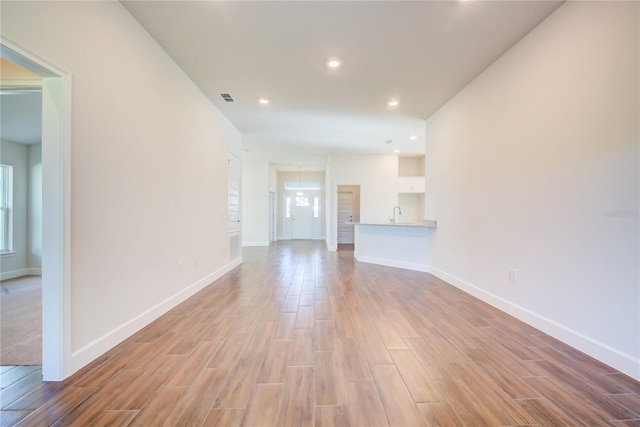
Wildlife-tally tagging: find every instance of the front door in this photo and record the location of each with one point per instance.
(301, 217)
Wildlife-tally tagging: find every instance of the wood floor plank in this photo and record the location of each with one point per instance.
(607, 408)
(390, 337)
(323, 310)
(57, 407)
(505, 379)
(402, 325)
(37, 397)
(224, 418)
(85, 413)
(305, 318)
(159, 408)
(114, 418)
(545, 413)
(187, 372)
(400, 408)
(324, 335)
(571, 403)
(290, 304)
(146, 385)
(630, 401)
(353, 361)
(274, 367)
(194, 406)
(493, 398)
(466, 404)
(229, 351)
(11, 418)
(422, 387)
(439, 414)
(15, 374)
(20, 388)
(237, 391)
(105, 371)
(365, 407)
(264, 406)
(298, 408)
(302, 350)
(329, 380)
(432, 361)
(307, 300)
(332, 416)
(286, 324)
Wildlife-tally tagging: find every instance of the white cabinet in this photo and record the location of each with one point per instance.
(411, 184)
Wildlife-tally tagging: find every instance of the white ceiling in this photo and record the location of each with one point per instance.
(418, 52)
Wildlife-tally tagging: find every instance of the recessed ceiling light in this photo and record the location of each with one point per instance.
(334, 63)
(413, 137)
(396, 151)
(393, 103)
(263, 101)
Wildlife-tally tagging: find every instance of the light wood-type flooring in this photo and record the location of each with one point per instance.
(298, 336)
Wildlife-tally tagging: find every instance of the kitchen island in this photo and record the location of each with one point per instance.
(394, 244)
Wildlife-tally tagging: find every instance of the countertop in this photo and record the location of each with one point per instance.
(427, 223)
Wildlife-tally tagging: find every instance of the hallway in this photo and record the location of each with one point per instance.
(300, 336)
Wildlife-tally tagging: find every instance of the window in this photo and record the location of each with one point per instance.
(287, 207)
(6, 205)
(302, 201)
(295, 185)
(316, 207)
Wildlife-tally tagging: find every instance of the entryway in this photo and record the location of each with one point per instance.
(56, 222)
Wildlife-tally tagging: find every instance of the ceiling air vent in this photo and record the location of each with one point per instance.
(227, 97)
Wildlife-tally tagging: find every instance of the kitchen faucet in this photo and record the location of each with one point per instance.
(394, 213)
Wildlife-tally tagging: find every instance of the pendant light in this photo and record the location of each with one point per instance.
(299, 192)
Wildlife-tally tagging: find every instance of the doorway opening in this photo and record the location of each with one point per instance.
(56, 191)
(348, 212)
(20, 215)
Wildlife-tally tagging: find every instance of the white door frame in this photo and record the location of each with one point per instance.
(56, 209)
(272, 216)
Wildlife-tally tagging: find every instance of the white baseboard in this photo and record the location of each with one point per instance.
(96, 348)
(13, 274)
(265, 243)
(392, 263)
(606, 354)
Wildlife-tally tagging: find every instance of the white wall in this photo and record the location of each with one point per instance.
(16, 264)
(377, 176)
(35, 208)
(255, 202)
(148, 173)
(534, 166)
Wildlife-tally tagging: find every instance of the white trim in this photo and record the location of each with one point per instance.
(13, 274)
(617, 359)
(391, 263)
(8, 254)
(56, 164)
(264, 243)
(96, 348)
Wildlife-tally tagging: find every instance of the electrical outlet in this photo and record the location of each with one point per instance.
(179, 266)
(195, 262)
(513, 275)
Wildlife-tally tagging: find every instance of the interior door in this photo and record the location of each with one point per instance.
(345, 215)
